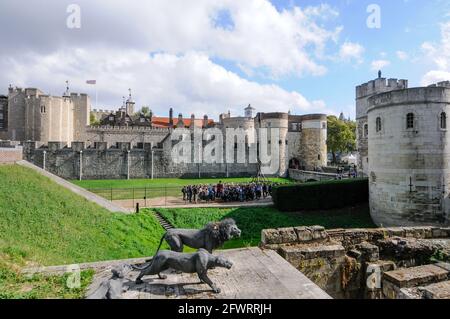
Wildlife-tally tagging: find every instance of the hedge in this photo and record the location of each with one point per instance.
(321, 195)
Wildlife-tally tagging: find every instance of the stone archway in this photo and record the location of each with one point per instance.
(294, 163)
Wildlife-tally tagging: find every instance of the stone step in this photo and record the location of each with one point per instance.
(403, 283)
(163, 222)
(440, 290)
(416, 276)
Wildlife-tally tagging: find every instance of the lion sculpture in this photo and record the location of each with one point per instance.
(211, 237)
(198, 262)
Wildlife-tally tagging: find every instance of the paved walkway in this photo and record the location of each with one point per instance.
(76, 189)
(173, 202)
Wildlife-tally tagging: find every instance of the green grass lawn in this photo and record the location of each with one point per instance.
(164, 182)
(140, 188)
(45, 224)
(251, 220)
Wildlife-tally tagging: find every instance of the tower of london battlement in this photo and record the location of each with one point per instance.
(380, 85)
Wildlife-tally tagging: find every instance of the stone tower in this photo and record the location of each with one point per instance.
(408, 151)
(363, 93)
(33, 115)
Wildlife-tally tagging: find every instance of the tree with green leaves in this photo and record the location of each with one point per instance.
(146, 111)
(341, 136)
(93, 120)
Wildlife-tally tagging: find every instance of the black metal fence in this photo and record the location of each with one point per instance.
(146, 196)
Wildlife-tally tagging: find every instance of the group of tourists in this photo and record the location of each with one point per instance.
(351, 173)
(227, 192)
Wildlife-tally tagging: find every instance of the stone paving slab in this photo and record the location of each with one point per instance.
(256, 274)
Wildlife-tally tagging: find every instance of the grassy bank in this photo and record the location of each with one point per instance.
(51, 225)
(252, 220)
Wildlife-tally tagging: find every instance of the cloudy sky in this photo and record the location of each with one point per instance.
(204, 56)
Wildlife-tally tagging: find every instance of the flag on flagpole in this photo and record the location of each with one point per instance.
(91, 82)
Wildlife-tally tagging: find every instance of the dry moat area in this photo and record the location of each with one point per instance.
(384, 263)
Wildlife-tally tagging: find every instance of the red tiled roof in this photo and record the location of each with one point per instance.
(164, 122)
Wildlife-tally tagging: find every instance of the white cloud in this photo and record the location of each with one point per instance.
(286, 42)
(433, 77)
(402, 55)
(351, 52)
(379, 64)
(439, 55)
(168, 51)
(191, 83)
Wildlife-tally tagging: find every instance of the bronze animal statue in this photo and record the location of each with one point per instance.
(198, 262)
(211, 237)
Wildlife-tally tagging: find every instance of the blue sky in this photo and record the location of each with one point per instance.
(405, 26)
(208, 57)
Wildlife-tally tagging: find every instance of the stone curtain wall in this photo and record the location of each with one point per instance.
(101, 162)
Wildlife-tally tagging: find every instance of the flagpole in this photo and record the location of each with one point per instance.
(96, 96)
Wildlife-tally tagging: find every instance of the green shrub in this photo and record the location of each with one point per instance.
(321, 195)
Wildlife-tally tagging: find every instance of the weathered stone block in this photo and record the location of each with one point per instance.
(438, 232)
(415, 276)
(78, 146)
(318, 232)
(369, 252)
(304, 234)
(439, 290)
(395, 232)
(288, 235)
(271, 237)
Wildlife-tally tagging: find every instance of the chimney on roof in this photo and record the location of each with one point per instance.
(205, 121)
(171, 117)
(192, 121)
(180, 121)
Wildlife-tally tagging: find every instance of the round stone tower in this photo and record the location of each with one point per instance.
(409, 156)
(363, 93)
(314, 141)
(278, 121)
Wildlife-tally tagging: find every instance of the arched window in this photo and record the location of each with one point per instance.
(410, 120)
(378, 124)
(443, 120)
(366, 130)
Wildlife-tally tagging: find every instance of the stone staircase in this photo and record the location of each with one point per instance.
(162, 221)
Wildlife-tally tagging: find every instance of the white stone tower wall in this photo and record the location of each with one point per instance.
(281, 122)
(363, 93)
(409, 168)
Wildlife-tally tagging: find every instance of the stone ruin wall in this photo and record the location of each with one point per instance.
(343, 261)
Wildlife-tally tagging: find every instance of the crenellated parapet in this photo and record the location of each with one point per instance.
(380, 85)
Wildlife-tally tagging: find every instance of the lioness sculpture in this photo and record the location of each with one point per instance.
(211, 237)
(198, 262)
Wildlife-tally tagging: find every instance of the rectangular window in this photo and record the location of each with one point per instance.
(410, 121)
